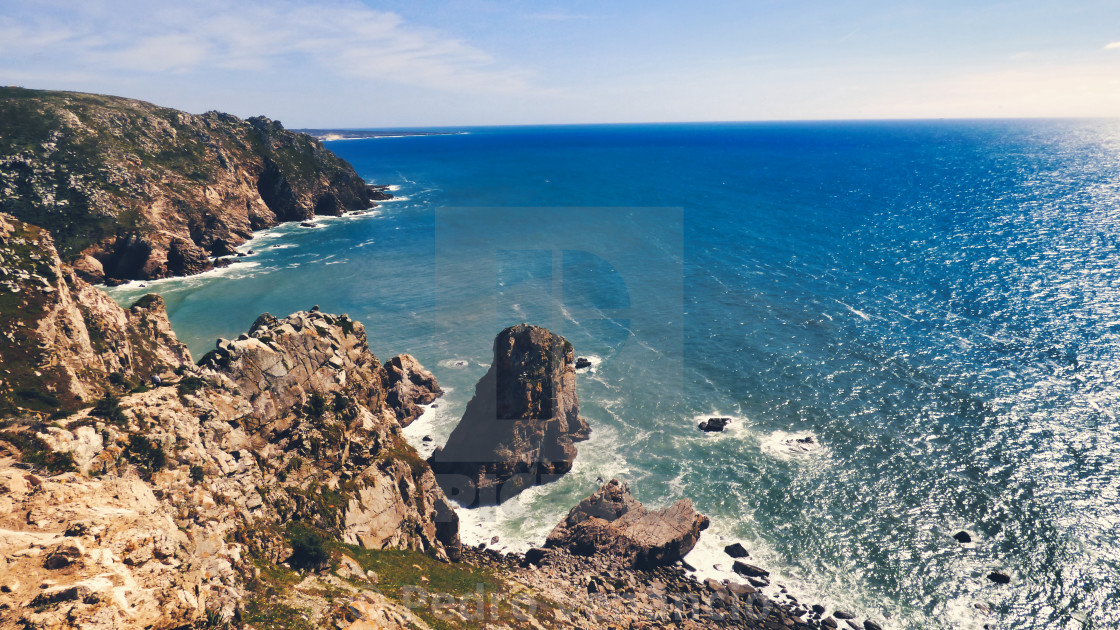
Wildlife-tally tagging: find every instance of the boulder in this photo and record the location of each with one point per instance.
(519, 429)
(736, 550)
(999, 578)
(612, 522)
(410, 385)
(749, 570)
(714, 425)
(963, 537)
(582, 363)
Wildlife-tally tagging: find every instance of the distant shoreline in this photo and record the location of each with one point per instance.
(359, 134)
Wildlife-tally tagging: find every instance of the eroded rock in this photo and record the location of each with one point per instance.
(519, 429)
(612, 522)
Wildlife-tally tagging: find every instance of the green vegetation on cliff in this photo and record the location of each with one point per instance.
(132, 190)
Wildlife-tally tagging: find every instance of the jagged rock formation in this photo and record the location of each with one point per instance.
(518, 430)
(612, 522)
(410, 385)
(63, 343)
(131, 190)
(157, 506)
(318, 398)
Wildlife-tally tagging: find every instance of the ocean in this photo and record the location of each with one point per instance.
(936, 304)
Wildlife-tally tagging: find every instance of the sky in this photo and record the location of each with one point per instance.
(369, 63)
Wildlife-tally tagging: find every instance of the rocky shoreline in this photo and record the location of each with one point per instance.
(270, 485)
(133, 191)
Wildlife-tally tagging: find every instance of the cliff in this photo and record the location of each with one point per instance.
(131, 190)
(126, 502)
(519, 429)
(63, 344)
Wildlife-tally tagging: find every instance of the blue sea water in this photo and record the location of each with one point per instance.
(936, 304)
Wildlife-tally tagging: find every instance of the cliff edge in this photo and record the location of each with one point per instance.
(131, 190)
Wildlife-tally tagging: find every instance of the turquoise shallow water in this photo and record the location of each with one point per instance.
(936, 303)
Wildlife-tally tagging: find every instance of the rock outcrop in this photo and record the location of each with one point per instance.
(410, 385)
(125, 504)
(518, 430)
(318, 399)
(612, 522)
(64, 343)
(133, 191)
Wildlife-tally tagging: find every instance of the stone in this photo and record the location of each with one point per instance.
(58, 594)
(749, 570)
(963, 537)
(736, 550)
(410, 385)
(520, 427)
(611, 522)
(582, 363)
(999, 577)
(534, 556)
(840, 614)
(871, 625)
(714, 425)
(64, 555)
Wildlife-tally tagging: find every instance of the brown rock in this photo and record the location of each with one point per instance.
(410, 385)
(613, 523)
(518, 430)
(71, 336)
(157, 191)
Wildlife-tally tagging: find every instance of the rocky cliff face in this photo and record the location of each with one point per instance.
(64, 344)
(157, 505)
(518, 430)
(613, 523)
(131, 190)
(410, 385)
(319, 412)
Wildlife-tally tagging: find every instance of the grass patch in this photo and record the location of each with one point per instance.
(148, 457)
(33, 450)
(190, 385)
(399, 578)
(109, 408)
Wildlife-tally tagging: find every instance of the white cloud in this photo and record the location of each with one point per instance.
(1112, 46)
(341, 37)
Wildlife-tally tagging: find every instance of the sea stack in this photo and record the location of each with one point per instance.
(519, 429)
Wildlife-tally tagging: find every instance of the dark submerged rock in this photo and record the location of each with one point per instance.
(999, 577)
(714, 425)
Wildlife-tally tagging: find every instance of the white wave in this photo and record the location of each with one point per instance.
(394, 187)
(595, 361)
(785, 445)
(454, 363)
(858, 313)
